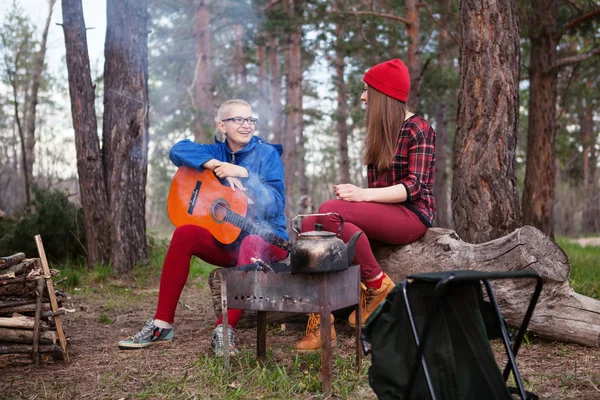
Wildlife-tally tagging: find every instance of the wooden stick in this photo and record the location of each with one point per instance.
(50, 285)
(36, 328)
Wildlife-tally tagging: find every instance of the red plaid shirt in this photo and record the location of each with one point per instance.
(413, 166)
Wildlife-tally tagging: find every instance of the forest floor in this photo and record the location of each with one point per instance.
(185, 368)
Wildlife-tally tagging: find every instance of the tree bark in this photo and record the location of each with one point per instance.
(34, 87)
(239, 58)
(414, 54)
(275, 87)
(538, 189)
(294, 122)
(125, 130)
(591, 222)
(342, 106)
(484, 190)
(204, 123)
(90, 171)
(441, 186)
(262, 84)
(560, 314)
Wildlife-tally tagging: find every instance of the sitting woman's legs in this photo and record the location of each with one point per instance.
(188, 240)
(385, 223)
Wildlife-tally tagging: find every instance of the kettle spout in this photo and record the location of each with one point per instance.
(351, 247)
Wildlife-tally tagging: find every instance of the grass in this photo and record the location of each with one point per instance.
(297, 377)
(585, 267)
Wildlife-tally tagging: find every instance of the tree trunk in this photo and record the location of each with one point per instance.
(294, 123)
(560, 314)
(263, 103)
(441, 186)
(34, 87)
(342, 106)
(204, 123)
(484, 190)
(239, 58)
(538, 189)
(591, 221)
(125, 129)
(414, 54)
(90, 171)
(20, 131)
(275, 86)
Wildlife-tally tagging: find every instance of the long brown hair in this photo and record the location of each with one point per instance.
(385, 116)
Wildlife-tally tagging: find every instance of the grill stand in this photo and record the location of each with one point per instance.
(285, 292)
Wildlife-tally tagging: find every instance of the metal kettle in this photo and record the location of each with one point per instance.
(320, 251)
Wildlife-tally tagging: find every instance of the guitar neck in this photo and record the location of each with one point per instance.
(253, 228)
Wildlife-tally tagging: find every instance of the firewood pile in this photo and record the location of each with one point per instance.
(30, 311)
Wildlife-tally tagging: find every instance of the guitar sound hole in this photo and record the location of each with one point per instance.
(219, 210)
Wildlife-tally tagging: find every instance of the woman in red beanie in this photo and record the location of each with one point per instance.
(398, 206)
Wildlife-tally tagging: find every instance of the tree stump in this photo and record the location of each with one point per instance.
(560, 314)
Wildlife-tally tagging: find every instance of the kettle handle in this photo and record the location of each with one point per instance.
(339, 232)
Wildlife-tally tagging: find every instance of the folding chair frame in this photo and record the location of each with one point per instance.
(440, 290)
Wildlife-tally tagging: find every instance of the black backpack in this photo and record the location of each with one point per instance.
(459, 359)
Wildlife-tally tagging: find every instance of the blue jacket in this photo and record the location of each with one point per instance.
(264, 184)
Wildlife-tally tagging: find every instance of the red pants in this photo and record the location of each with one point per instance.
(381, 224)
(191, 240)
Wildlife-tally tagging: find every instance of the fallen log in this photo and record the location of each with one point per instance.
(18, 288)
(25, 308)
(26, 348)
(21, 322)
(26, 336)
(561, 314)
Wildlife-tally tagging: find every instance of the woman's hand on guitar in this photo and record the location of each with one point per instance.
(225, 170)
(235, 183)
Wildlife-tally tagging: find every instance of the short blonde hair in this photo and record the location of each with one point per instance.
(222, 113)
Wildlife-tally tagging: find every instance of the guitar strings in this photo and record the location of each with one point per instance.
(252, 227)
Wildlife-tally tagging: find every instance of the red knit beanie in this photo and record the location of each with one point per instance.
(390, 78)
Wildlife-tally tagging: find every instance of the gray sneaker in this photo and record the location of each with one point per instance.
(217, 341)
(149, 335)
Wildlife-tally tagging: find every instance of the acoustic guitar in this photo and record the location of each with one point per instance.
(199, 198)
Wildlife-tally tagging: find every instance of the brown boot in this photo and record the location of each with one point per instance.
(371, 298)
(312, 340)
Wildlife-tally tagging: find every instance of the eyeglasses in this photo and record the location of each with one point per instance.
(240, 120)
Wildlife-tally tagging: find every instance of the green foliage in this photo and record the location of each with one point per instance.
(585, 267)
(55, 218)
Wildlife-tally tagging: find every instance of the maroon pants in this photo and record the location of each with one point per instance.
(381, 224)
(191, 240)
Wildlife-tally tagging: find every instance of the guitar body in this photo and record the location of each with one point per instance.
(198, 198)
